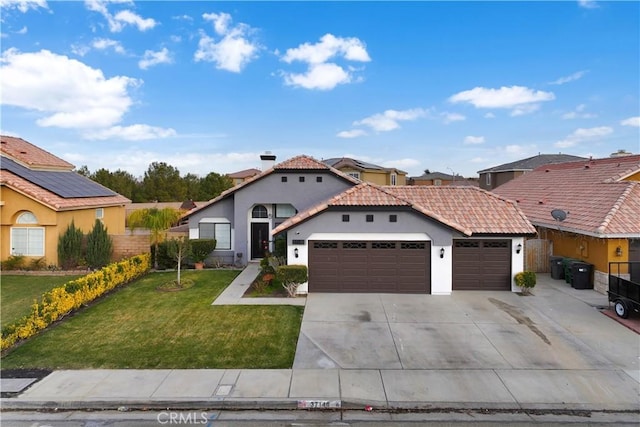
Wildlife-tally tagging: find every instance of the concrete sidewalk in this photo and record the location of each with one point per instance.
(515, 389)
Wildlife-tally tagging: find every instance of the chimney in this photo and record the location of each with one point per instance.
(268, 160)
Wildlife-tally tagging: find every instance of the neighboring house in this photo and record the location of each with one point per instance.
(601, 199)
(439, 178)
(368, 172)
(496, 176)
(243, 175)
(360, 237)
(41, 195)
(185, 206)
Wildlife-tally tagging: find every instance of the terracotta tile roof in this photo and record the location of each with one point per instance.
(301, 162)
(598, 202)
(533, 162)
(31, 156)
(54, 201)
(466, 209)
(246, 173)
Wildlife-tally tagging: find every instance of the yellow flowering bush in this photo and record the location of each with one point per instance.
(61, 301)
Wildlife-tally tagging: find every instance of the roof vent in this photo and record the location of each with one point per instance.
(541, 202)
(546, 170)
(23, 152)
(587, 166)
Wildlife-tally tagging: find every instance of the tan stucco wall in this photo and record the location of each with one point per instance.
(54, 223)
(633, 177)
(375, 177)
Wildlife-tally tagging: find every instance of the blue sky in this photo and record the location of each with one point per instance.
(209, 86)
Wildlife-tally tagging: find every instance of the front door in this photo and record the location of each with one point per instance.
(259, 239)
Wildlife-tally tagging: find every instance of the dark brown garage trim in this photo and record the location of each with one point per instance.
(370, 266)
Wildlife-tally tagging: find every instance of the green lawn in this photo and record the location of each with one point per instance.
(140, 327)
(17, 293)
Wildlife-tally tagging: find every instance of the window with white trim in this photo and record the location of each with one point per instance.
(488, 179)
(26, 218)
(221, 231)
(354, 174)
(99, 213)
(394, 178)
(259, 211)
(27, 241)
(285, 211)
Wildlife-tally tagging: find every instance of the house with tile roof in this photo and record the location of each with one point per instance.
(440, 178)
(361, 237)
(41, 195)
(368, 172)
(601, 200)
(243, 175)
(495, 176)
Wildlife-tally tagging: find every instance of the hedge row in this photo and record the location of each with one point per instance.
(64, 299)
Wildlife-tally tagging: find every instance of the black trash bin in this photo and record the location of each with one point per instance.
(566, 267)
(557, 268)
(581, 272)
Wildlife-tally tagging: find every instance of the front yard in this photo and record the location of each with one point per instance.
(140, 327)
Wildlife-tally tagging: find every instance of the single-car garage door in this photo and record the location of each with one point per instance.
(482, 265)
(357, 266)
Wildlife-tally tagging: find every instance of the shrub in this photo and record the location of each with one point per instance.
(99, 246)
(526, 280)
(265, 265)
(14, 262)
(164, 259)
(62, 300)
(70, 247)
(291, 276)
(202, 248)
(37, 264)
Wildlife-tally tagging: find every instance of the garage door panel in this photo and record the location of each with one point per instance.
(378, 266)
(482, 265)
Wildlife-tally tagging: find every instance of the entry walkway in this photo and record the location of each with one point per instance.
(232, 295)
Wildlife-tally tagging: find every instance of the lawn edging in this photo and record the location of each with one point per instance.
(65, 299)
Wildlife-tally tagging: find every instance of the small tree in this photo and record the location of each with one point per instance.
(202, 248)
(179, 249)
(291, 276)
(157, 221)
(70, 247)
(99, 246)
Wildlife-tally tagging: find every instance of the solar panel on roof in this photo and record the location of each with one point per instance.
(66, 184)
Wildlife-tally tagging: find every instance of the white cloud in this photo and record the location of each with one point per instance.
(322, 74)
(489, 115)
(67, 92)
(631, 121)
(588, 4)
(582, 135)
(136, 132)
(452, 117)
(182, 17)
(387, 121)
(520, 99)
(474, 139)
(175, 38)
(402, 164)
(80, 49)
(23, 30)
(117, 22)
(319, 76)
(353, 133)
(579, 113)
(132, 18)
(570, 78)
(234, 50)
(477, 160)
(102, 44)
(152, 58)
(515, 149)
(23, 5)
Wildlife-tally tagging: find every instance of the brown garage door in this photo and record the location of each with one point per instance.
(356, 266)
(482, 265)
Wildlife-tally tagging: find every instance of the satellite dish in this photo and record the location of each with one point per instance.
(559, 215)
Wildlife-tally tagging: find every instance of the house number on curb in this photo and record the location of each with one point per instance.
(319, 404)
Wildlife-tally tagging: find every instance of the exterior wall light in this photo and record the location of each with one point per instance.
(295, 252)
(519, 248)
(441, 252)
(619, 251)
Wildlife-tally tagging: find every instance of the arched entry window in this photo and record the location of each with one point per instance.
(259, 211)
(26, 218)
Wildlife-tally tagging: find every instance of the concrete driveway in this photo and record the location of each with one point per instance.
(557, 328)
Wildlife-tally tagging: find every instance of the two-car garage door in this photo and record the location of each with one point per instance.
(370, 266)
(405, 266)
